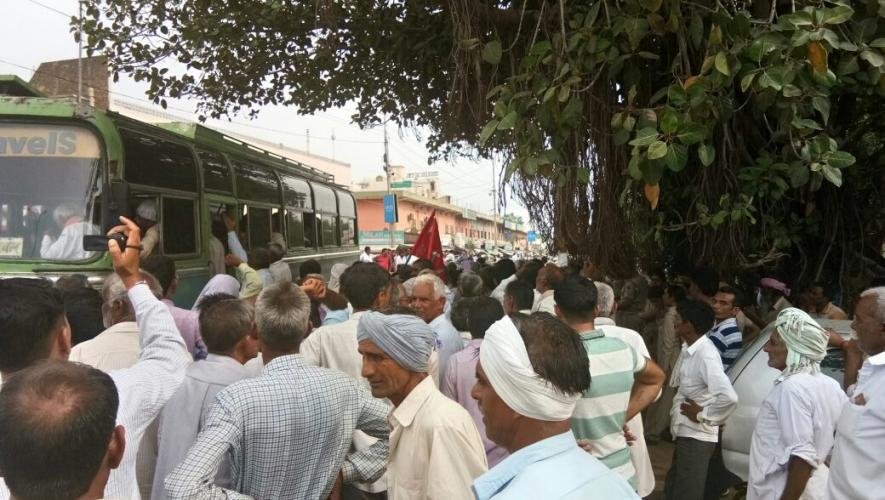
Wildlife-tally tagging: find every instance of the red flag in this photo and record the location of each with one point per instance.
(429, 247)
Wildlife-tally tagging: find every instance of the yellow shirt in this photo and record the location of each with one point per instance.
(833, 311)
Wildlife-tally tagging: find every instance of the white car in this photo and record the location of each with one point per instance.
(753, 379)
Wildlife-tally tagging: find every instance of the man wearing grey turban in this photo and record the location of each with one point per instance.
(796, 423)
(435, 448)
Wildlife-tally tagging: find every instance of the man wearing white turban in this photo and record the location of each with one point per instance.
(795, 426)
(435, 449)
(529, 378)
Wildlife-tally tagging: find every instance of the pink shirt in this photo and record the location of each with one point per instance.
(188, 324)
(460, 376)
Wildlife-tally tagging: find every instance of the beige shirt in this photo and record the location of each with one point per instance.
(435, 450)
(116, 348)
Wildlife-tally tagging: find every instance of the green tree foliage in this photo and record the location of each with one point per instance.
(742, 134)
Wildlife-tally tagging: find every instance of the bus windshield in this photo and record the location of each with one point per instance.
(49, 175)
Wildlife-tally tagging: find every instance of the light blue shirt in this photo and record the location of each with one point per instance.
(555, 468)
(448, 341)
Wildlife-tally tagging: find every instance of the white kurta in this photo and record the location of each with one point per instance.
(435, 450)
(797, 419)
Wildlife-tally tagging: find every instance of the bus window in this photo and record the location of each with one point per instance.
(49, 175)
(329, 230)
(324, 199)
(296, 193)
(310, 229)
(257, 184)
(276, 228)
(259, 227)
(295, 227)
(348, 231)
(155, 162)
(179, 227)
(216, 174)
(347, 217)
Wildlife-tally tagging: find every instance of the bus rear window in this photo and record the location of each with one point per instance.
(49, 176)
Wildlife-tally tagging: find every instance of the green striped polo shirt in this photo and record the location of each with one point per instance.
(601, 412)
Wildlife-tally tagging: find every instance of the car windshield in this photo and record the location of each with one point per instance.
(48, 181)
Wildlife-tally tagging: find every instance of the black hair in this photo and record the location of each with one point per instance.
(460, 313)
(83, 310)
(576, 297)
(699, 314)
(71, 282)
(529, 271)
(422, 264)
(677, 292)
(56, 420)
(488, 278)
(31, 314)
(362, 282)
(825, 288)
(368, 249)
(877, 281)
(522, 293)
(309, 266)
(224, 321)
(276, 252)
(259, 258)
(503, 269)
(163, 268)
(556, 352)
(707, 280)
(219, 230)
(655, 292)
(453, 274)
(484, 312)
(405, 272)
(738, 296)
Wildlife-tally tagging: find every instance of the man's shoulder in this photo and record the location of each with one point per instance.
(574, 474)
(626, 335)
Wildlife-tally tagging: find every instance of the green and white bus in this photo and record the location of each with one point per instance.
(57, 158)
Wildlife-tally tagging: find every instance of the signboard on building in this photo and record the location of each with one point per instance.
(381, 238)
(401, 185)
(468, 214)
(421, 176)
(532, 236)
(391, 212)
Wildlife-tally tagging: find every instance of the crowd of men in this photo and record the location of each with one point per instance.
(505, 380)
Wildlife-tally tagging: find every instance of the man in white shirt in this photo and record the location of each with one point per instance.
(794, 429)
(858, 464)
(228, 327)
(38, 330)
(429, 301)
(366, 256)
(68, 245)
(367, 288)
(548, 277)
(435, 449)
(704, 400)
(58, 435)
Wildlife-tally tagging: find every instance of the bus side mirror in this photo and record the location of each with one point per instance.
(115, 203)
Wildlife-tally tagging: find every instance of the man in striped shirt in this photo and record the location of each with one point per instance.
(599, 416)
(726, 335)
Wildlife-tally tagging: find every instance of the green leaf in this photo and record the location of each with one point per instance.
(487, 131)
(564, 93)
(584, 175)
(874, 58)
(617, 120)
(878, 43)
(696, 30)
(629, 123)
(837, 15)
(840, 159)
(722, 63)
(656, 150)
(651, 5)
(798, 176)
(822, 106)
(805, 123)
(747, 81)
(648, 55)
(771, 80)
(549, 94)
(621, 137)
(491, 52)
(691, 134)
(832, 174)
(645, 137)
(707, 154)
(798, 19)
(677, 157)
(669, 122)
(508, 121)
(791, 90)
(633, 166)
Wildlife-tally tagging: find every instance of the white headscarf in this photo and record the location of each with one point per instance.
(506, 363)
(220, 283)
(806, 341)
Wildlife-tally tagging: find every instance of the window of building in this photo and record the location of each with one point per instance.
(155, 162)
(179, 226)
(257, 184)
(216, 173)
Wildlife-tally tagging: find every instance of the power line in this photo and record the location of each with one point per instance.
(53, 9)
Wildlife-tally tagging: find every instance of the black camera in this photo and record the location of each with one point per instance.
(99, 243)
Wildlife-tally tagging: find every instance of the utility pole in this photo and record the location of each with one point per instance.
(390, 225)
(494, 203)
(308, 141)
(333, 143)
(80, 55)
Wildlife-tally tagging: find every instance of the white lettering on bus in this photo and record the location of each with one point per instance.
(64, 143)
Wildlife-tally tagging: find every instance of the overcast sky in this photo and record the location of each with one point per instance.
(34, 31)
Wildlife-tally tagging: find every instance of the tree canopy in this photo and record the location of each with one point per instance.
(744, 135)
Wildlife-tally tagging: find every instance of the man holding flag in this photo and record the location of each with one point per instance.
(429, 247)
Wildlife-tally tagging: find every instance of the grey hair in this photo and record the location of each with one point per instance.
(114, 289)
(877, 293)
(605, 298)
(439, 288)
(65, 211)
(408, 285)
(282, 315)
(470, 284)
